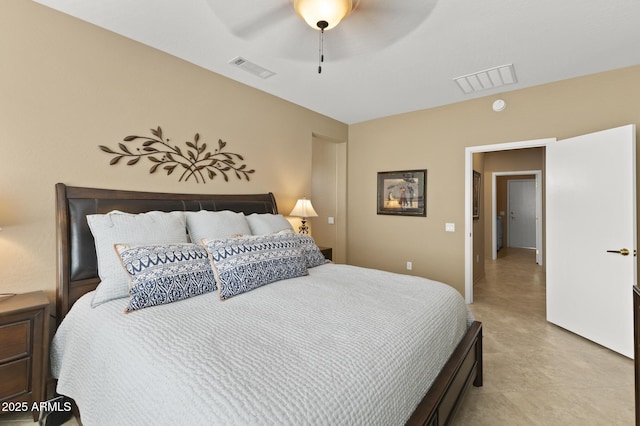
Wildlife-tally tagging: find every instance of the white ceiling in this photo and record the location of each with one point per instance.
(388, 56)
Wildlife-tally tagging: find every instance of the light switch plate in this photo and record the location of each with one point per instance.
(450, 227)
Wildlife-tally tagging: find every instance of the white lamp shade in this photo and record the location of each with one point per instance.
(303, 208)
(331, 11)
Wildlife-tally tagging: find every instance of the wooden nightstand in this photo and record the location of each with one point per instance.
(327, 252)
(24, 349)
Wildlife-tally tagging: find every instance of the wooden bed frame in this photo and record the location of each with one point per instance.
(78, 274)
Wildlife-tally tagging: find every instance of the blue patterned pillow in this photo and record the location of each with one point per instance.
(165, 273)
(248, 262)
(312, 254)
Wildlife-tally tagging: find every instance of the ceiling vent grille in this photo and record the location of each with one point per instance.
(487, 79)
(251, 68)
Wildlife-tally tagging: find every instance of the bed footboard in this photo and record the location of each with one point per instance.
(464, 367)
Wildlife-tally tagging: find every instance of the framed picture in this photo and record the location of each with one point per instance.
(476, 195)
(402, 193)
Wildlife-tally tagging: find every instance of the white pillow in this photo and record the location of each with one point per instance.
(267, 223)
(134, 229)
(222, 224)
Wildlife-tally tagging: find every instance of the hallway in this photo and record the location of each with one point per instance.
(536, 373)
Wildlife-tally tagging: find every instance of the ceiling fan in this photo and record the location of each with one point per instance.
(361, 26)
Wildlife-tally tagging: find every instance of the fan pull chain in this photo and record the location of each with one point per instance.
(322, 25)
(321, 52)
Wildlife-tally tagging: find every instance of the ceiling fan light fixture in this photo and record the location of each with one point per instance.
(323, 14)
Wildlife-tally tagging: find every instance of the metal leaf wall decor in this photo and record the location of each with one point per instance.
(194, 161)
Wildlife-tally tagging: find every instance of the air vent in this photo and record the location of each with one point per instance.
(252, 68)
(487, 79)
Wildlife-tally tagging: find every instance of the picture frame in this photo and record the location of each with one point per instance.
(476, 194)
(402, 193)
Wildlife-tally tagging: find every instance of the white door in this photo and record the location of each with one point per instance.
(591, 209)
(522, 213)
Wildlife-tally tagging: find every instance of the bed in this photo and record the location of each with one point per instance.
(336, 344)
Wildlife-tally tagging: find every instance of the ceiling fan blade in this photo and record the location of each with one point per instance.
(376, 24)
(258, 25)
(371, 26)
(249, 19)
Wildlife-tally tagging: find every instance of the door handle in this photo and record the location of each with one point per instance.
(623, 251)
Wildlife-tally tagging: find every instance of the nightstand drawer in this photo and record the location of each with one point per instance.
(24, 348)
(15, 340)
(14, 378)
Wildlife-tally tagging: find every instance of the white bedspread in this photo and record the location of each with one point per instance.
(345, 345)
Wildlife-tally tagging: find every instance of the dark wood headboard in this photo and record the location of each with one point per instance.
(77, 266)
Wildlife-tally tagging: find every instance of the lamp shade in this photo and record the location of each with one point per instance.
(330, 11)
(303, 208)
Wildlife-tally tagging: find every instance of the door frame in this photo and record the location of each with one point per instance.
(539, 215)
(468, 200)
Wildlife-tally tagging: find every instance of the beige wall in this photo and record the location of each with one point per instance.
(67, 87)
(328, 194)
(435, 139)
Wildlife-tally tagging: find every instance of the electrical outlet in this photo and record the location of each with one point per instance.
(331, 220)
(409, 266)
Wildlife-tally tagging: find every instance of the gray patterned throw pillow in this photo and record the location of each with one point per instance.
(165, 273)
(245, 263)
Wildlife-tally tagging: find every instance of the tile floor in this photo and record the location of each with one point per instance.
(15, 419)
(536, 373)
(23, 419)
